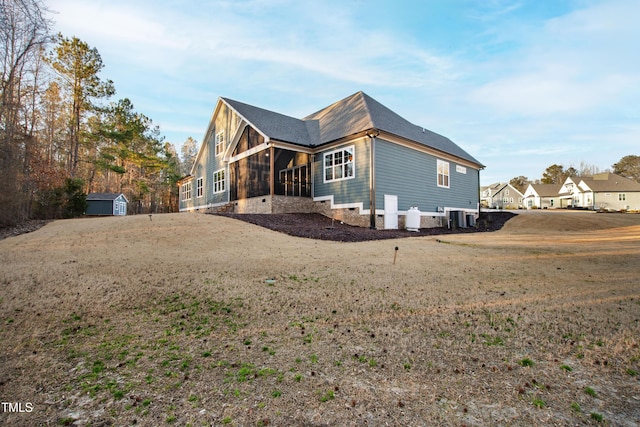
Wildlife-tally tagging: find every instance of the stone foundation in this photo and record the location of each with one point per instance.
(287, 204)
(255, 205)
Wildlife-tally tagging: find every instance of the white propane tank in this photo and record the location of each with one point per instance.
(412, 221)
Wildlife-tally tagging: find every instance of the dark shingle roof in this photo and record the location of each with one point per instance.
(352, 115)
(103, 196)
(360, 112)
(274, 125)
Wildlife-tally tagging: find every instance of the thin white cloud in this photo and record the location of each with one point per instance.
(575, 65)
(511, 94)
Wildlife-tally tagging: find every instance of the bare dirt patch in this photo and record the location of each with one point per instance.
(208, 320)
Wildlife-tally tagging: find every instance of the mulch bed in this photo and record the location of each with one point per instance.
(22, 228)
(316, 226)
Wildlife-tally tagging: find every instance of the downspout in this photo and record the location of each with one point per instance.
(272, 174)
(479, 195)
(372, 178)
(313, 176)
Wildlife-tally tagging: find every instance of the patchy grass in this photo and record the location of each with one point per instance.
(173, 325)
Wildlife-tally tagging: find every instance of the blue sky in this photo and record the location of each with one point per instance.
(520, 85)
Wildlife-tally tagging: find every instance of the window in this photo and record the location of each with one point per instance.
(199, 187)
(219, 143)
(443, 174)
(506, 192)
(339, 164)
(218, 181)
(622, 197)
(186, 191)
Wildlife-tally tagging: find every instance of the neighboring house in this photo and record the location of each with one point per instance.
(570, 193)
(355, 160)
(603, 191)
(542, 196)
(501, 196)
(106, 204)
(608, 191)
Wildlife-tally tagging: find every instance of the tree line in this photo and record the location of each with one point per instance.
(627, 166)
(61, 135)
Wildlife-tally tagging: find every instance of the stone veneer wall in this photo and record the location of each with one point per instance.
(287, 204)
(260, 205)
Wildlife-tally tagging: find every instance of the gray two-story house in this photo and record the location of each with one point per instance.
(355, 160)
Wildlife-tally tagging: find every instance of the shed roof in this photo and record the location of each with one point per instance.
(105, 196)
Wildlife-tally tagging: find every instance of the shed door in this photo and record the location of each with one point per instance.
(390, 212)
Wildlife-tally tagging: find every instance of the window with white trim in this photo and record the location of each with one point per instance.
(622, 197)
(339, 164)
(186, 191)
(219, 142)
(443, 173)
(200, 187)
(218, 181)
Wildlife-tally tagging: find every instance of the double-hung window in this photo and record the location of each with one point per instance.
(186, 191)
(219, 142)
(622, 197)
(218, 181)
(443, 173)
(199, 187)
(339, 164)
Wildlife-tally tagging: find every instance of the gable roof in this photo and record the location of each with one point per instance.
(274, 125)
(547, 190)
(497, 187)
(105, 196)
(355, 114)
(359, 112)
(610, 182)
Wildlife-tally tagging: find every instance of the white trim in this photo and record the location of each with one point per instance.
(266, 138)
(349, 148)
(199, 187)
(233, 141)
(249, 152)
(329, 198)
(208, 205)
(184, 192)
(219, 136)
(448, 174)
(216, 182)
(360, 207)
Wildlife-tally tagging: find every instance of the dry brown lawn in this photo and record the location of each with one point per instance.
(204, 320)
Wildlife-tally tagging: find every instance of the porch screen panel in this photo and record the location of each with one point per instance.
(251, 176)
(292, 173)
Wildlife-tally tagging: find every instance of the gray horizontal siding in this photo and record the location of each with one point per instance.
(355, 190)
(208, 163)
(412, 176)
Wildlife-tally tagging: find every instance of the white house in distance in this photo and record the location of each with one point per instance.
(603, 191)
(501, 195)
(609, 191)
(542, 196)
